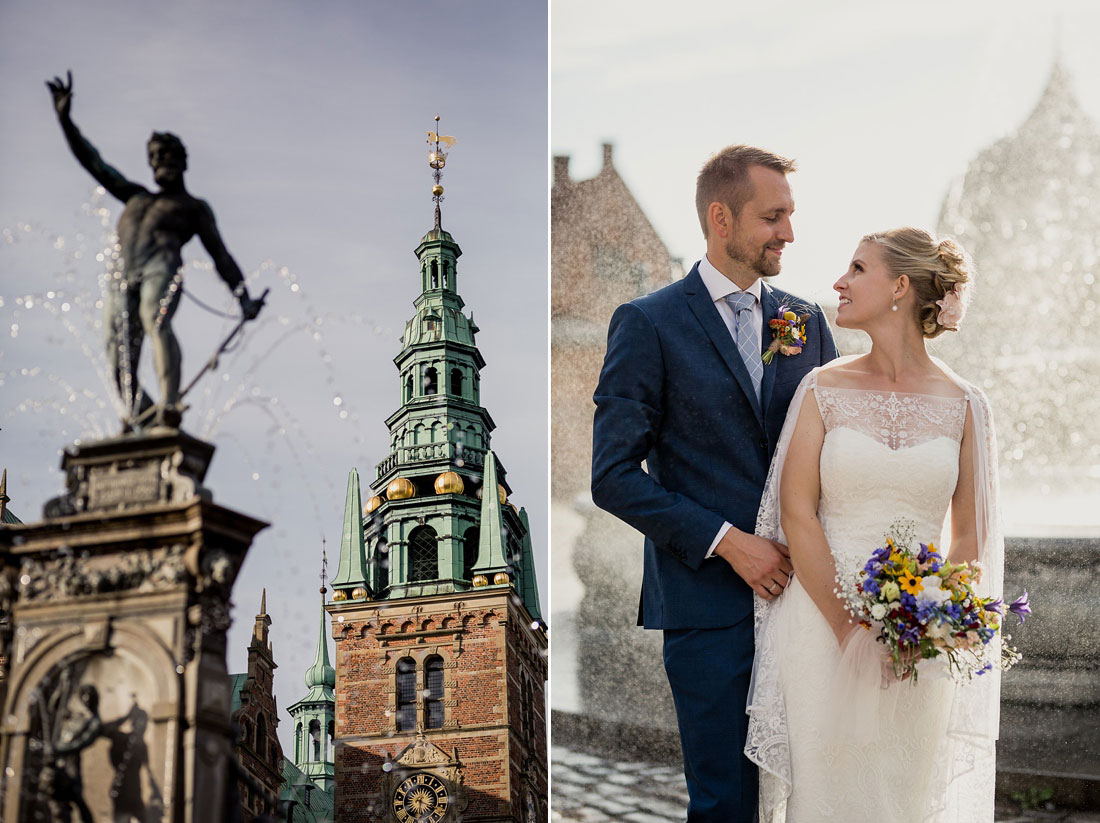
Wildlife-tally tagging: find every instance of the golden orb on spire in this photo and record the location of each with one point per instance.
(502, 493)
(400, 488)
(372, 504)
(449, 483)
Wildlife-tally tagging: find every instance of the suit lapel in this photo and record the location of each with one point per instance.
(706, 313)
(770, 306)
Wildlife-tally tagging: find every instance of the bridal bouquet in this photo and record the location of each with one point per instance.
(924, 607)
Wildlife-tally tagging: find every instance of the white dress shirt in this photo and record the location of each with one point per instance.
(721, 287)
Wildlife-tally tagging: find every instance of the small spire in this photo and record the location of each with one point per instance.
(353, 557)
(260, 638)
(324, 569)
(437, 158)
(321, 672)
(4, 495)
(491, 549)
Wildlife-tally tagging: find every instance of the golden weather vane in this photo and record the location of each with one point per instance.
(441, 145)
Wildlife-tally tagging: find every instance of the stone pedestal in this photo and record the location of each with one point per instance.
(114, 688)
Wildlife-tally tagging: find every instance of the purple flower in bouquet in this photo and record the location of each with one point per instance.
(1020, 607)
(925, 609)
(997, 606)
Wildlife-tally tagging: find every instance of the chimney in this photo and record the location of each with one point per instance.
(561, 169)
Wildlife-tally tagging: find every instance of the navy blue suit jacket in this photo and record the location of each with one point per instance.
(675, 393)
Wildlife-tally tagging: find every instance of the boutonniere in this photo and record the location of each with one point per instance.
(788, 333)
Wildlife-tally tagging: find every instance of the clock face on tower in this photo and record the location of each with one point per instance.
(420, 798)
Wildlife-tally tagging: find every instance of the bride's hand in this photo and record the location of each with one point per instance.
(909, 658)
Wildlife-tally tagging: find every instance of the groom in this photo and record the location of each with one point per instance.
(684, 389)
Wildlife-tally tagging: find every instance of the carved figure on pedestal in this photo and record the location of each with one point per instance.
(61, 782)
(129, 754)
(144, 292)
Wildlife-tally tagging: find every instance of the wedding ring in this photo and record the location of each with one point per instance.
(771, 588)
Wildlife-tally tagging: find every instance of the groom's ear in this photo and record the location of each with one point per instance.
(719, 219)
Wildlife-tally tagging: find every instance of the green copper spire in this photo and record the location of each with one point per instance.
(491, 551)
(321, 676)
(315, 714)
(530, 591)
(353, 556)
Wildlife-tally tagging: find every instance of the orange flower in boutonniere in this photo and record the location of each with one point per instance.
(788, 333)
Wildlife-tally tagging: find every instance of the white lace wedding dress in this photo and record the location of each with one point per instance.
(832, 743)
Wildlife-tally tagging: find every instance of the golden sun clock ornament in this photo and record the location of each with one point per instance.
(420, 798)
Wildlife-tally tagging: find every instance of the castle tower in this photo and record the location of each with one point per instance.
(440, 644)
(315, 714)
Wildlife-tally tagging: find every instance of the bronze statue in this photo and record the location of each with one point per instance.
(152, 231)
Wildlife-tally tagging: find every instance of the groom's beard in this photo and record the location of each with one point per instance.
(756, 260)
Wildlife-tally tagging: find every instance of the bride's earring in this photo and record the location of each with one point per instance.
(895, 306)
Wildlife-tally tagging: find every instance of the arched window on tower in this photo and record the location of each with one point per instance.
(435, 275)
(431, 381)
(456, 382)
(331, 736)
(469, 551)
(298, 741)
(447, 282)
(408, 388)
(433, 681)
(423, 555)
(314, 740)
(381, 566)
(406, 694)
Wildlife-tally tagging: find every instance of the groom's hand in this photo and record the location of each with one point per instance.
(763, 564)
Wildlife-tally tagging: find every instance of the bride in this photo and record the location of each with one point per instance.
(892, 434)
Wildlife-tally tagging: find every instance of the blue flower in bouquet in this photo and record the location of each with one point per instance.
(1020, 607)
(911, 636)
(881, 555)
(924, 606)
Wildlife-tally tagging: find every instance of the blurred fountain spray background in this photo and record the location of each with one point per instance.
(305, 130)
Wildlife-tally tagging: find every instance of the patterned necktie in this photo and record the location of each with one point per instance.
(748, 342)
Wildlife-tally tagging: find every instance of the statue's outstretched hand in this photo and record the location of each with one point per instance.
(62, 94)
(251, 308)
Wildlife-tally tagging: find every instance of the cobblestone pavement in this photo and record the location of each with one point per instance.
(591, 789)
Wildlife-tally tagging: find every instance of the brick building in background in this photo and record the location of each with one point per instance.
(604, 251)
(440, 644)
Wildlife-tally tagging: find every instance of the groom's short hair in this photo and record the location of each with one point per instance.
(724, 178)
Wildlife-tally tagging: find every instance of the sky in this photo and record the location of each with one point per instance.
(305, 126)
(882, 104)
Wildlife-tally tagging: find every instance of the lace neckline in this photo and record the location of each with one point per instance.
(898, 420)
(889, 392)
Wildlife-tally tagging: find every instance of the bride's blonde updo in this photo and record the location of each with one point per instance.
(934, 267)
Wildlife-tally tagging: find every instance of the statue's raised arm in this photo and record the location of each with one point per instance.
(107, 176)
